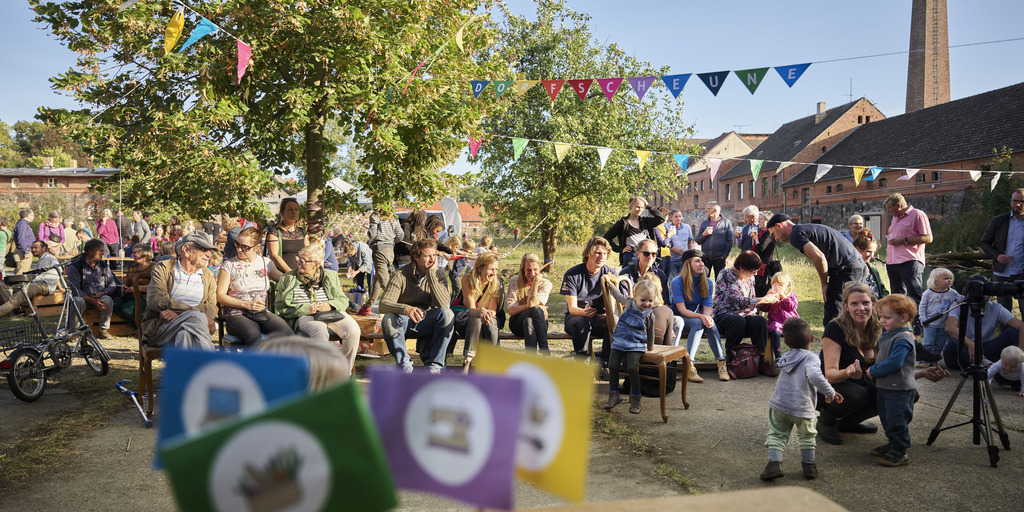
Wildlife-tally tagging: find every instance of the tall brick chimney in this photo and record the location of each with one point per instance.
(928, 68)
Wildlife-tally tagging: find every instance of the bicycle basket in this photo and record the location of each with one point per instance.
(16, 334)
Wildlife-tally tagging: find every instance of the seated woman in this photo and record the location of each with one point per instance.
(311, 300)
(124, 306)
(528, 304)
(692, 292)
(286, 238)
(242, 287)
(481, 296)
(735, 307)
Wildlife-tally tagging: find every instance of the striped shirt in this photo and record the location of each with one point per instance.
(187, 288)
(301, 295)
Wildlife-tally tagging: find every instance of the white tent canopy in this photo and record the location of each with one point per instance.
(341, 186)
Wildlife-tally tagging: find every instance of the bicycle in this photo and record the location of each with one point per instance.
(30, 353)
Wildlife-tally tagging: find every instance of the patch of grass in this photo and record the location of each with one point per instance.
(674, 475)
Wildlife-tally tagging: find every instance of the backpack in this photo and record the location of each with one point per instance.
(745, 359)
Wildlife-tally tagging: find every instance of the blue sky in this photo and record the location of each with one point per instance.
(689, 37)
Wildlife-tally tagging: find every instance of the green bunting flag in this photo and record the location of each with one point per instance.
(755, 167)
(518, 145)
(502, 86)
(751, 77)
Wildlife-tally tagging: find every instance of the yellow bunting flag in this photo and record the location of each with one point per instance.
(554, 431)
(561, 149)
(524, 85)
(173, 31)
(458, 35)
(858, 173)
(641, 158)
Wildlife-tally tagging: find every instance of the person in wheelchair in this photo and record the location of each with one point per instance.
(43, 284)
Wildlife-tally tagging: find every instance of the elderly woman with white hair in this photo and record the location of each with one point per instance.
(856, 224)
(311, 300)
(748, 234)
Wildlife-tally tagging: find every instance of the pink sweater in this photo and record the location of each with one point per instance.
(780, 311)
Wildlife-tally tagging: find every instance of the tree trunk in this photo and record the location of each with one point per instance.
(314, 133)
(549, 241)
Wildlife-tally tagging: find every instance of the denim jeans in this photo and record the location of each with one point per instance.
(696, 329)
(992, 349)
(895, 410)
(673, 269)
(934, 339)
(436, 328)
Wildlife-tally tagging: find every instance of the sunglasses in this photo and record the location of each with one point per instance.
(649, 253)
(243, 247)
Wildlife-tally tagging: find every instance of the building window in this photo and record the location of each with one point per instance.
(702, 185)
(15, 182)
(881, 182)
(728, 192)
(839, 189)
(860, 119)
(807, 194)
(867, 119)
(764, 186)
(936, 176)
(740, 186)
(696, 205)
(920, 178)
(796, 194)
(51, 182)
(751, 188)
(828, 189)
(824, 149)
(775, 185)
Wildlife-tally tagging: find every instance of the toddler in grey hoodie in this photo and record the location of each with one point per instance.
(793, 402)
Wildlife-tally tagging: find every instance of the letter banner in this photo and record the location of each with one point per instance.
(858, 173)
(910, 174)
(524, 85)
(518, 145)
(821, 171)
(751, 78)
(641, 84)
(683, 161)
(554, 433)
(478, 87)
(581, 87)
(714, 163)
(790, 74)
(609, 86)
(603, 153)
(454, 435)
(173, 30)
(755, 167)
(319, 452)
(975, 175)
(244, 55)
(874, 172)
(641, 157)
(995, 179)
(552, 87)
(474, 146)
(561, 149)
(675, 83)
(714, 80)
(501, 86)
(204, 28)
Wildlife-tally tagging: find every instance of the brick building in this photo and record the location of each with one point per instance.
(25, 187)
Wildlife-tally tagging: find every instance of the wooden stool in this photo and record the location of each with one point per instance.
(659, 357)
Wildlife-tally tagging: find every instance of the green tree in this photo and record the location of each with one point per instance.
(575, 194)
(473, 194)
(184, 133)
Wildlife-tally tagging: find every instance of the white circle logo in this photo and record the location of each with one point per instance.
(219, 391)
(449, 428)
(268, 466)
(543, 422)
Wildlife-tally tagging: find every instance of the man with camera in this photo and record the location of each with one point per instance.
(993, 315)
(1004, 242)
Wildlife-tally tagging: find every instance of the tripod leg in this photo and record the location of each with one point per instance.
(1005, 439)
(938, 426)
(993, 450)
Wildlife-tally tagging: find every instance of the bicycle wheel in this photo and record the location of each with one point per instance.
(26, 379)
(94, 354)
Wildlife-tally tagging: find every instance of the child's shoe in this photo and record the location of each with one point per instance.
(693, 377)
(881, 450)
(613, 400)
(894, 459)
(634, 403)
(772, 471)
(810, 470)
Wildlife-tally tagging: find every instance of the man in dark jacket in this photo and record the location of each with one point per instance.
(1004, 241)
(715, 236)
(23, 238)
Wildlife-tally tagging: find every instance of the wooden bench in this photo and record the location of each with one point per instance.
(51, 305)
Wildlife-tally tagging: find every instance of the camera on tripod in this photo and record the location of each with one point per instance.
(979, 287)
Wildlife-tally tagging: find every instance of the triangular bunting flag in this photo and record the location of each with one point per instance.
(603, 153)
(518, 145)
(782, 166)
(751, 77)
(995, 179)
(458, 39)
(474, 146)
(552, 87)
(821, 171)
(609, 86)
(858, 173)
(524, 85)
(205, 27)
(910, 174)
(755, 167)
(478, 87)
(713, 80)
(561, 149)
(127, 4)
(244, 55)
(714, 163)
(173, 30)
(790, 74)
(640, 84)
(641, 158)
(581, 87)
(683, 161)
(675, 83)
(873, 173)
(501, 86)
(975, 175)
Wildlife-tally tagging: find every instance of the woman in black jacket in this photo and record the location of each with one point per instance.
(631, 229)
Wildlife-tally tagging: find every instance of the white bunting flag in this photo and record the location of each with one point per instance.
(714, 164)
(604, 153)
(821, 171)
(975, 175)
(910, 174)
(995, 179)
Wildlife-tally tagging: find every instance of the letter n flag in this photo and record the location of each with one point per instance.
(453, 435)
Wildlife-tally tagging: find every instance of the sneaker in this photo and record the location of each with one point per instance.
(772, 471)
(105, 334)
(828, 433)
(881, 450)
(810, 470)
(434, 370)
(365, 311)
(893, 459)
(407, 369)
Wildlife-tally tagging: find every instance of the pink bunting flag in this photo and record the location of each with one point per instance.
(714, 163)
(609, 86)
(910, 174)
(244, 54)
(474, 146)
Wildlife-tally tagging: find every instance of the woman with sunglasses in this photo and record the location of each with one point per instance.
(311, 299)
(242, 287)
